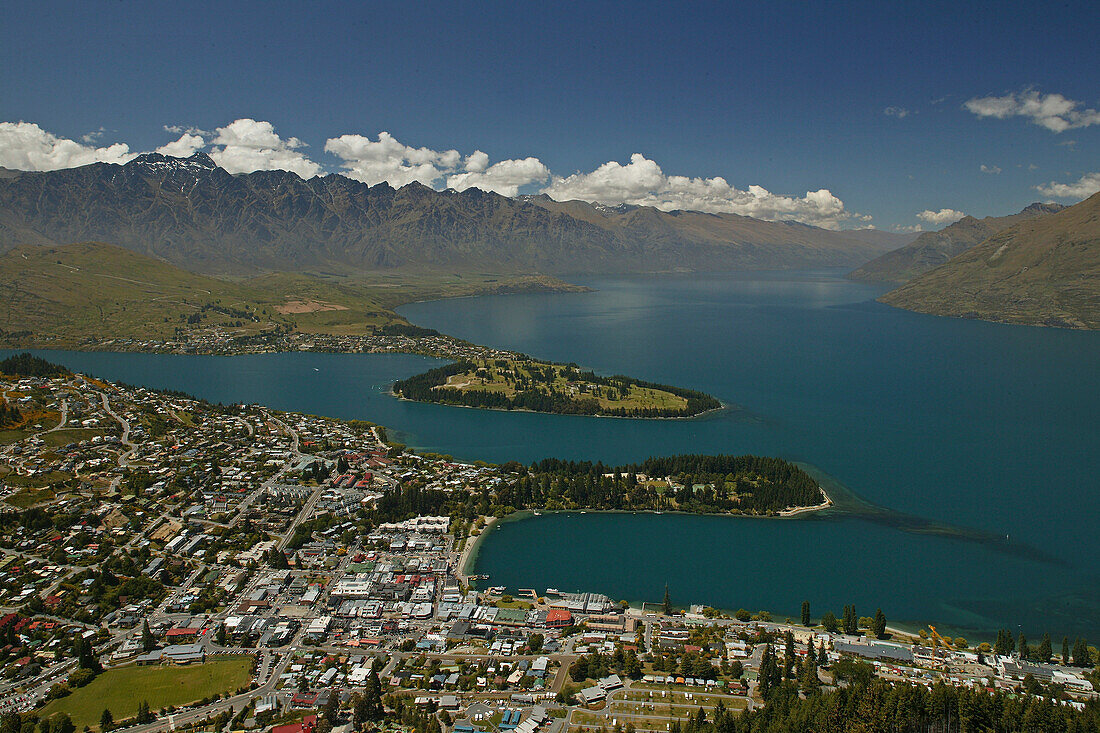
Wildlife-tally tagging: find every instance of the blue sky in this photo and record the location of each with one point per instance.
(788, 98)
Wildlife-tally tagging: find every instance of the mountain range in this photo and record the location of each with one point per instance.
(194, 214)
(932, 249)
(1042, 270)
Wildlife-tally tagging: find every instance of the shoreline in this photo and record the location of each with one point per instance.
(468, 559)
(697, 415)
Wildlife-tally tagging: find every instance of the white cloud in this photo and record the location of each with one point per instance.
(26, 146)
(505, 177)
(991, 169)
(642, 182)
(187, 145)
(899, 112)
(1084, 187)
(1052, 111)
(477, 161)
(248, 145)
(189, 129)
(941, 217)
(913, 229)
(388, 159)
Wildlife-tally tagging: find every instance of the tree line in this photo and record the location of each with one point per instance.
(867, 703)
(707, 484)
(28, 365)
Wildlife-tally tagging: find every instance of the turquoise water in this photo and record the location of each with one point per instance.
(985, 427)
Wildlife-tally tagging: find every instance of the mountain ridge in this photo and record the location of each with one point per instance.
(932, 249)
(194, 214)
(1039, 271)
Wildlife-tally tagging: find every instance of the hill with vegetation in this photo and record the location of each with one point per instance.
(196, 215)
(28, 365)
(932, 249)
(1043, 271)
(547, 387)
(524, 384)
(94, 292)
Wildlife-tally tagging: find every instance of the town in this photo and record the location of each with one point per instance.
(222, 340)
(169, 564)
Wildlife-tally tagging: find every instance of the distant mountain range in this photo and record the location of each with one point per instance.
(1042, 270)
(191, 213)
(932, 249)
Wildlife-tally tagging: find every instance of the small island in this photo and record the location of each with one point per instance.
(525, 384)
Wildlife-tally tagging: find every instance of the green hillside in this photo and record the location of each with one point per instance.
(65, 295)
(1043, 271)
(932, 249)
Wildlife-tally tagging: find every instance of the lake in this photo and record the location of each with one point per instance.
(977, 443)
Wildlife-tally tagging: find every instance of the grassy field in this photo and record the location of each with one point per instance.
(121, 689)
(513, 376)
(98, 290)
(60, 296)
(58, 438)
(35, 482)
(34, 423)
(25, 498)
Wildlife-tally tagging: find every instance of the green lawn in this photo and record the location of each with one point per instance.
(490, 377)
(121, 689)
(58, 438)
(36, 482)
(29, 497)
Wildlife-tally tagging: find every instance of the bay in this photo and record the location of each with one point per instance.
(961, 433)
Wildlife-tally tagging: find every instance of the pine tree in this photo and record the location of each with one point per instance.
(880, 624)
(373, 696)
(805, 613)
(851, 620)
(1065, 650)
(1004, 644)
(668, 602)
(1045, 652)
(85, 655)
(788, 655)
(106, 720)
(148, 643)
(808, 680)
(767, 664)
(1081, 656)
(332, 709)
(360, 712)
(1024, 649)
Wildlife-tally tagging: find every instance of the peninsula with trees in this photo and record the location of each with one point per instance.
(521, 383)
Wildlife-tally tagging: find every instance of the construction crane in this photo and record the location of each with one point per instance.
(936, 637)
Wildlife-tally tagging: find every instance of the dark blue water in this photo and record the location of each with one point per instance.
(983, 426)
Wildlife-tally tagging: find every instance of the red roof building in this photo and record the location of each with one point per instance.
(559, 618)
(177, 634)
(306, 726)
